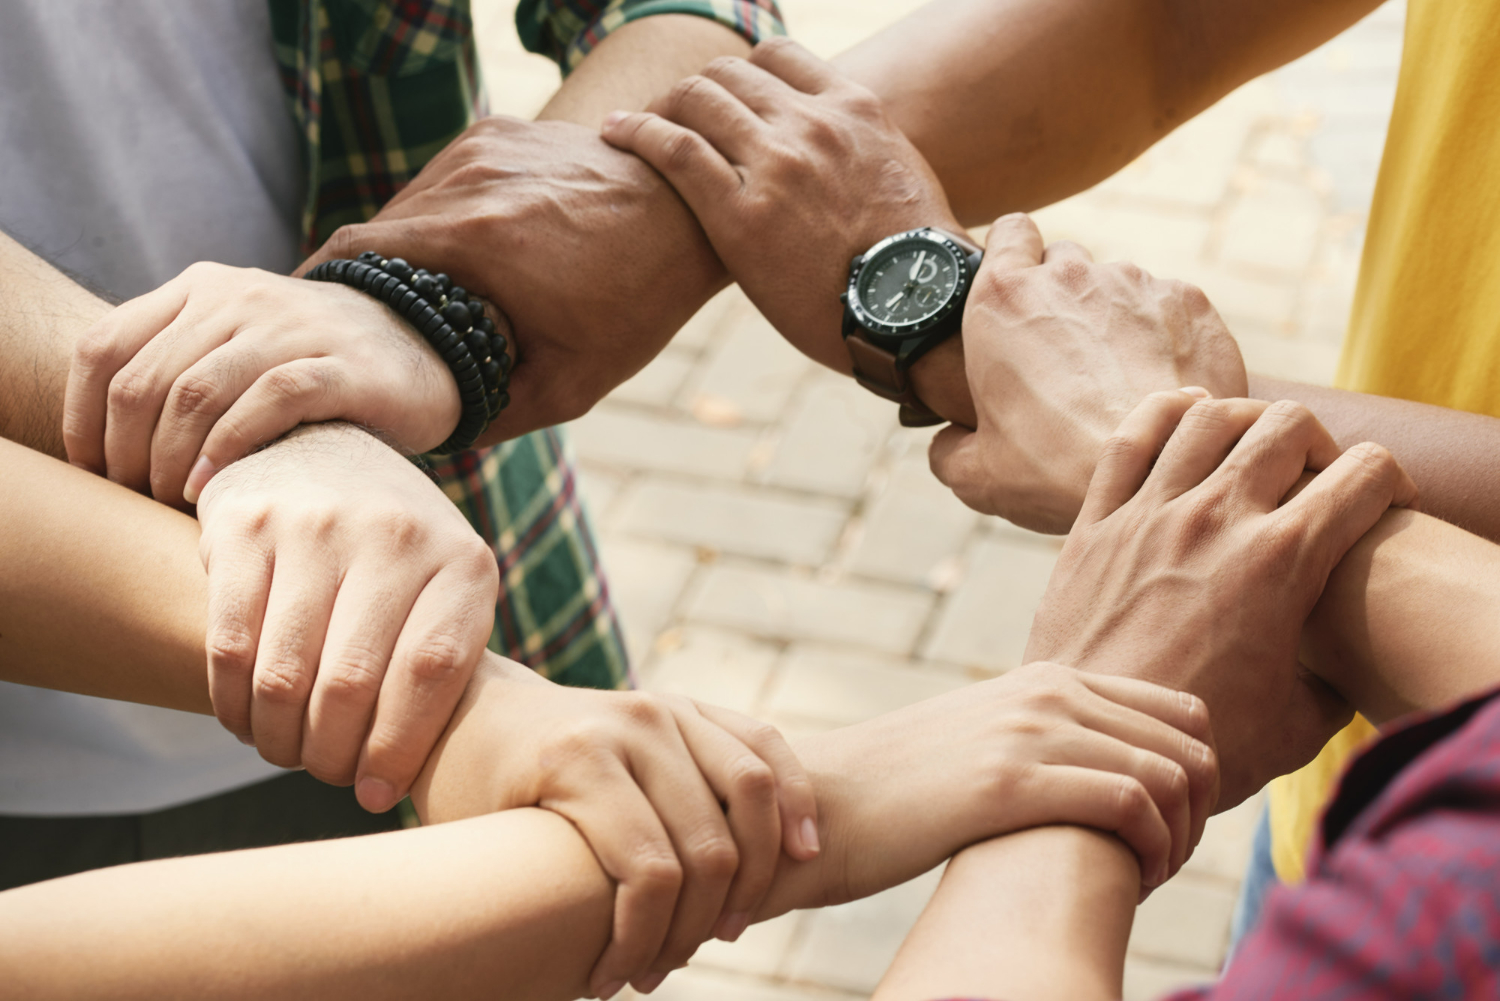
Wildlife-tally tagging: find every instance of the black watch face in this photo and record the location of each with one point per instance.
(908, 282)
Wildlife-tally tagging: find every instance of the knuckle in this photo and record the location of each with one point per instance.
(679, 152)
(714, 857)
(657, 871)
(287, 384)
(720, 67)
(1375, 459)
(641, 710)
(231, 652)
(193, 394)
(129, 391)
(282, 682)
(682, 93)
(1289, 416)
(1070, 272)
(752, 779)
(1129, 799)
(351, 679)
(437, 661)
(1195, 713)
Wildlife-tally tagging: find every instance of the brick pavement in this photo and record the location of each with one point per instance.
(777, 545)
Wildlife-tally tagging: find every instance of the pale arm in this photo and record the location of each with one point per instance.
(509, 905)
(1018, 103)
(42, 312)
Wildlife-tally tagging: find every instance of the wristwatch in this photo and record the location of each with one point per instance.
(906, 296)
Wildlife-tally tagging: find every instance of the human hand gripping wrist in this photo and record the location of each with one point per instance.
(589, 254)
(1190, 567)
(1044, 744)
(792, 170)
(175, 385)
(348, 602)
(687, 806)
(1058, 350)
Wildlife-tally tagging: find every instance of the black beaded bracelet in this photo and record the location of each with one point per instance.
(450, 320)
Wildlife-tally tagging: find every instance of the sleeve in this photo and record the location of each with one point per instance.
(566, 31)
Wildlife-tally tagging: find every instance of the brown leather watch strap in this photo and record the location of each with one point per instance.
(876, 369)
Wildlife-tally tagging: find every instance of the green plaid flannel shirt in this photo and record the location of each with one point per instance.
(377, 88)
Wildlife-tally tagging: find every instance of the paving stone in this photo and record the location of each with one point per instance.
(1115, 231)
(986, 621)
(842, 687)
(1186, 921)
(658, 383)
(708, 324)
(720, 668)
(750, 375)
(599, 488)
(913, 528)
(1304, 360)
(834, 434)
(645, 580)
(1152, 980)
(1273, 227)
(748, 521)
(614, 436)
(785, 606)
(851, 945)
(1226, 842)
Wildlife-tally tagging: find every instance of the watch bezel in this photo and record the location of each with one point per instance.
(896, 334)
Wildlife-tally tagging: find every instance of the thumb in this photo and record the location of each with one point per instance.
(957, 460)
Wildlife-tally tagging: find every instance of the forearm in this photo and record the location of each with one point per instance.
(42, 314)
(509, 905)
(1018, 103)
(1449, 453)
(1410, 620)
(1041, 914)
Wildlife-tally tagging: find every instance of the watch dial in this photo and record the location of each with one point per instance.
(908, 283)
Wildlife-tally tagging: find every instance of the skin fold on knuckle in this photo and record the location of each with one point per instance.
(282, 681)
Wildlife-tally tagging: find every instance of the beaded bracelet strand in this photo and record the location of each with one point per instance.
(449, 319)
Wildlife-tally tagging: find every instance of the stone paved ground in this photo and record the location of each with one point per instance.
(777, 545)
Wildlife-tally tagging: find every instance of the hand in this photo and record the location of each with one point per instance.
(1058, 350)
(348, 602)
(173, 386)
(643, 778)
(792, 171)
(1197, 573)
(1043, 744)
(595, 261)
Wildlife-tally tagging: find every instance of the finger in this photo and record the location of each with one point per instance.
(1284, 442)
(794, 789)
(440, 643)
(239, 583)
(1066, 250)
(139, 391)
(1110, 801)
(303, 391)
(367, 617)
(746, 785)
(1200, 444)
(688, 161)
(791, 63)
(102, 351)
(1130, 452)
(303, 588)
(705, 846)
(623, 829)
(703, 105)
(1192, 781)
(196, 401)
(1344, 501)
(957, 459)
(759, 90)
(1013, 242)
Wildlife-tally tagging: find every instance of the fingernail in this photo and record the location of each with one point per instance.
(247, 739)
(1197, 391)
(615, 118)
(202, 472)
(732, 926)
(376, 795)
(810, 836)
(650, 982)
(610, 989)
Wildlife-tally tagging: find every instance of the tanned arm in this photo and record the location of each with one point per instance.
(1018, 103)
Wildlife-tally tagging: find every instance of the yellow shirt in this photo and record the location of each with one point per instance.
(1426, 320)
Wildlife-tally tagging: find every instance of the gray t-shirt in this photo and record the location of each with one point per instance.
(136, 137)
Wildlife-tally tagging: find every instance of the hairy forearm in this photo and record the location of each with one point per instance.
(1018, 103)
(1410, 619)
(1449, 453)
(42, 313)
(1034, 916)
(510, 905)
